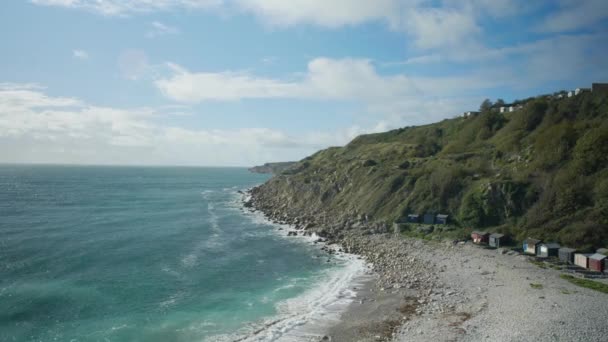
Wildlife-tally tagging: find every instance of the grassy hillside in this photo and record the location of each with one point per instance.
(540, 171)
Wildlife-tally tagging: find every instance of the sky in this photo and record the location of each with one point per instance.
(243, 82)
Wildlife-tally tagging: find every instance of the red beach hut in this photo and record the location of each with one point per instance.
(596, 262)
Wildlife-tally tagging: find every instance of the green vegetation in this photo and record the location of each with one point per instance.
(590, 284)
(536, 286)
(274, 168)
(541, 171)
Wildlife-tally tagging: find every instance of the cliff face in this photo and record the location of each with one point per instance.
(540, 171)
(272, 168)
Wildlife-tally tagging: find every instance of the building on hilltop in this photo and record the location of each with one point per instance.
(599, 87)
(429, 218)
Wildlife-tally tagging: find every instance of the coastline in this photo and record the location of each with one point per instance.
(446, 291)
(307, 316)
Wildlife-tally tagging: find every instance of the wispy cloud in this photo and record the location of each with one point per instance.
(126, 7)
(324, 79)
(158, 29)
(35, 126)
(450, 24)
(574, 15)
(80, 54)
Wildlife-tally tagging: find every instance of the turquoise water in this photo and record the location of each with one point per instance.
(140, 254)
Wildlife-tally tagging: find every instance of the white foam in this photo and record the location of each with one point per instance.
(214, 241)
(312, 313)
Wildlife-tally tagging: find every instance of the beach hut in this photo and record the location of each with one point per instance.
(567, 255)
(441, 219)
(480, 237)
(546, 250)
(582, 259)
(596, 262)
(413, 218)
(530, 246)
(429, 218)
(496, 240)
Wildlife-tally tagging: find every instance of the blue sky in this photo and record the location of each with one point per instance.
(241, 82)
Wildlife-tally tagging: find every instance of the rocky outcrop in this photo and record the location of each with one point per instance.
(272, 168)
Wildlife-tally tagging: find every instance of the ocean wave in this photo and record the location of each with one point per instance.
(314, 311)
(310, 314)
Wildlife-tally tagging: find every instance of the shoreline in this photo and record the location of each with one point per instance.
(394, 287)
(307, 316)
(446, 291)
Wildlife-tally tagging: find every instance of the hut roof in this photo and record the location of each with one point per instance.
(602, 251)
(597, 256)
(567, 250)
(442, 216)
(413, 215)
(551, 245)
(530, 241)
(479, 233)
(497, 235)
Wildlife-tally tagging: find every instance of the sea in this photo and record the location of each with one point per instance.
(91, 253)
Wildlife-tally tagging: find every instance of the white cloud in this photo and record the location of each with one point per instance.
(80, 54)
(158, 29)
(441, 28)
(324, 13)
(429, 25)
(575, 14)
(185, 86)
(37, 127)
(325, 79)
(124, 7)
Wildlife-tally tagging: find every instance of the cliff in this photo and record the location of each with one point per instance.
(540, 171)
(272, 168)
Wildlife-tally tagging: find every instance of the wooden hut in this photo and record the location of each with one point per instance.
(441, 219)
(582, 259)
(530, 246)
(429, 218)
(480, 237)
(567, 255)
(546, 250)
(596, 262)
(413, 218)
(496, 240)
